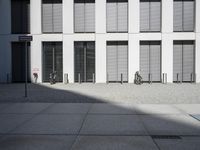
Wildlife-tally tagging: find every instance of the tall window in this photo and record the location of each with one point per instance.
(184, 61)
(52, 16)
(117, 15)
(150, 60)
(150, 15)
(84, 16)
(52, 60)
(184, 15)
(117, 61)
(20, 16)
(84, 56)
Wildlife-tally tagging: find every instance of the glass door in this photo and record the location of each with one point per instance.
(84, 56)
(52, 60)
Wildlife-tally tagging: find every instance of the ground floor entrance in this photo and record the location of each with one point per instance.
(117, 61)
(84, 61)
(184, 61)
(150, 61)
(52, 60)
(18, 62)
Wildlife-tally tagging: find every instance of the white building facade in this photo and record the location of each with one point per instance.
(105, 40)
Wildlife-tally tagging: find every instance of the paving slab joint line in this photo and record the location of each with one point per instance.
(193, 117)
(84, 119)
(34, 115)
(156, 144)
(148, 133)
(182, 111)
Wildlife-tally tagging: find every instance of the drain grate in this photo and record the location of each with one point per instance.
(174, 137)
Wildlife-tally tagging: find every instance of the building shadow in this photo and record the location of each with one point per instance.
(159, 122)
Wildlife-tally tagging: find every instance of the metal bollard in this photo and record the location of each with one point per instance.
(93, 78)
(178, 78)
(193, 78)
(121, 78)
(66, 78)
(195, 75)
(163, 76)
(164, 79)
(107, 78)
(150, 78)
(79, 78)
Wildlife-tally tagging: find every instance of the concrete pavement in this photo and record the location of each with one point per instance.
(157, 93)
(99, 126)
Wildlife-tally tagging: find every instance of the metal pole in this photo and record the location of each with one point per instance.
(150, 78)
(93, 78)
(177, 78)
(26, 65)
(121, 78)
(66, 78)
(53, 60)
(107, 78)
(163, 80)
(79, 78)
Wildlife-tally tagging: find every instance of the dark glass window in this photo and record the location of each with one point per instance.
(84, 57)
(52, 60)
(20, 16)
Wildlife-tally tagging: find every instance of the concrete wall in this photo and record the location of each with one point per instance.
(68, 37)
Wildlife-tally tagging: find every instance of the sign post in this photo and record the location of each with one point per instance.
(26, 39)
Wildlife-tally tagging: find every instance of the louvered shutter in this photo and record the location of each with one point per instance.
(89, 17)
(155, 61)
(144, 60)
(177, 61)
(57, 16)
(122, 60)
(188, 60)
(79, 17)
(178, 16)
(47, 15)
(188, 23)
(111, 17)
(112, 61)
(144, 16)
(155, 10)
(123, 17)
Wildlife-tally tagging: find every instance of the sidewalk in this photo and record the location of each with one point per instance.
(99, 126)
(156, 93)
